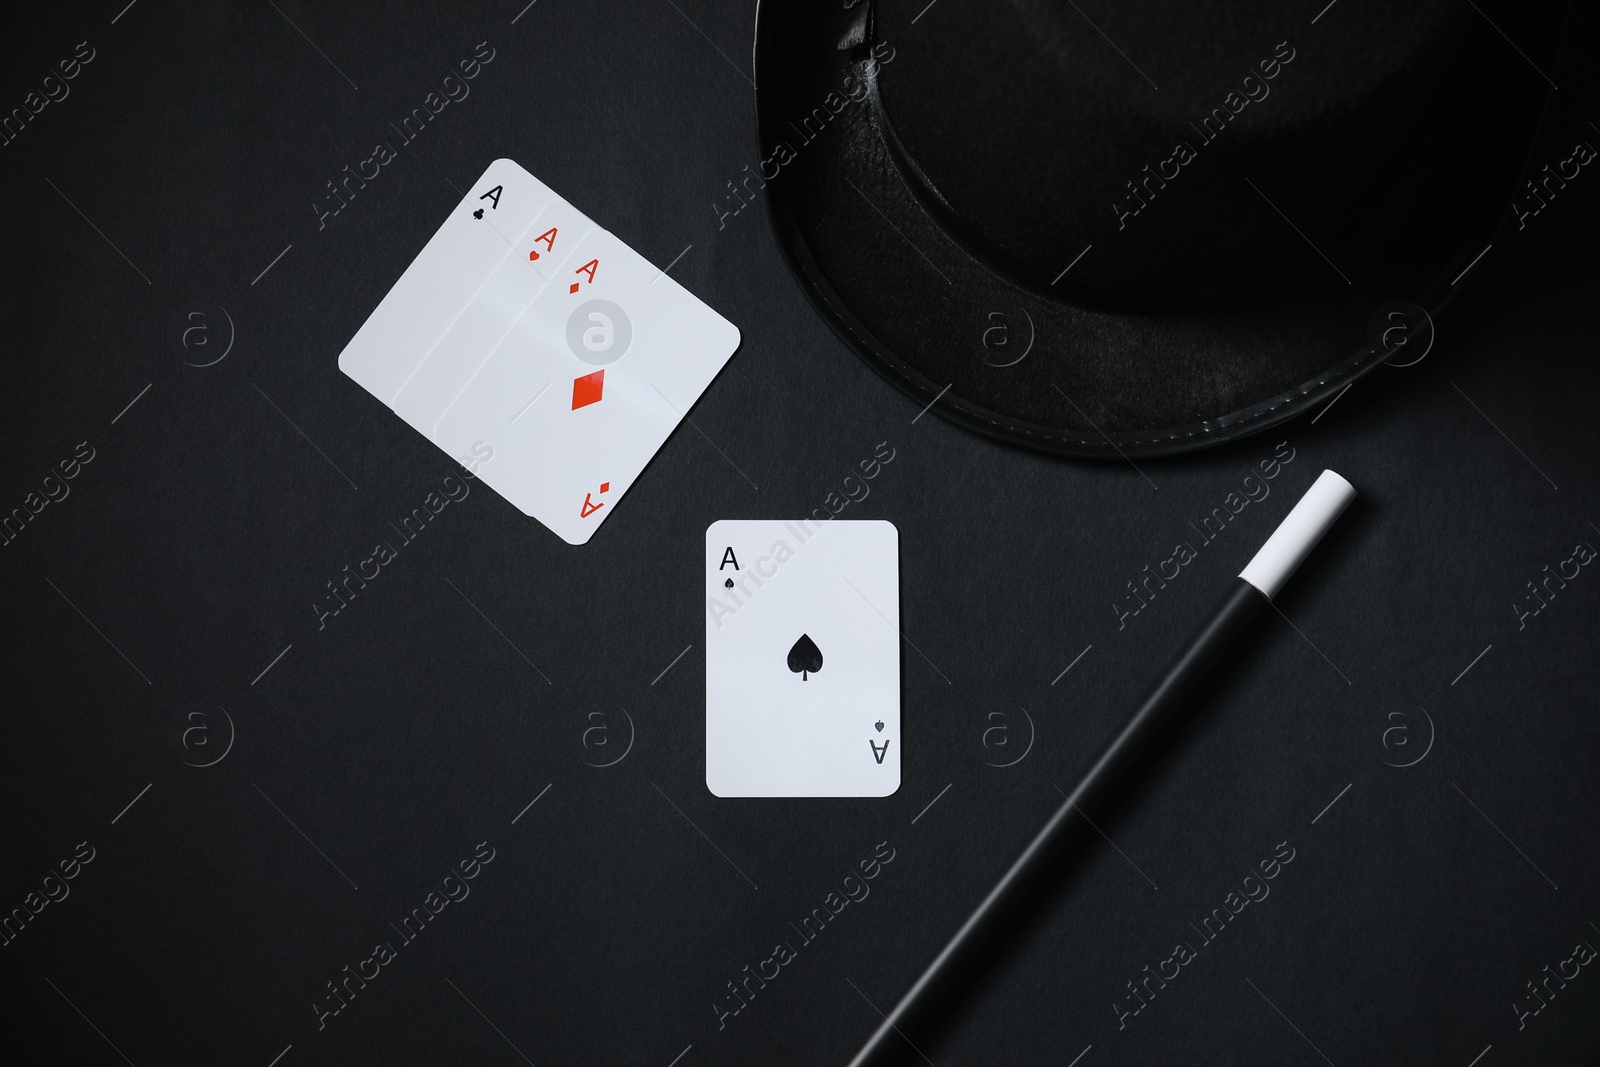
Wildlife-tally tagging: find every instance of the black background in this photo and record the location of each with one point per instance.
(190, 550)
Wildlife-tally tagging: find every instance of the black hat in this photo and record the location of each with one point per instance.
(1145, 228)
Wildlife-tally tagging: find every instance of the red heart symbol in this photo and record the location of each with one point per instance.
(533, 255)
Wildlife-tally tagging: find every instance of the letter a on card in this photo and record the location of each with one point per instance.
(588, 268)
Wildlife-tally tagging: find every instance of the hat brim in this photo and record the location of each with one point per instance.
(1015, 361)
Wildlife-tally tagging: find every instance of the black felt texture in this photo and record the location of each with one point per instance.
(191, 549)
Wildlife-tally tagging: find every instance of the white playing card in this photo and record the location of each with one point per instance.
(443, 279)
(525, 264)
(802, 658)
(587, 385)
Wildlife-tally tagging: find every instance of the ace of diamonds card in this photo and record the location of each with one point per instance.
(802, 658)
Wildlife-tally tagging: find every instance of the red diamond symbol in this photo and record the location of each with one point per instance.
(573, 288)
(586, 390)
(605, 487)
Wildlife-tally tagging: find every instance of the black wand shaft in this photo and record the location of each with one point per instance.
(1149, 719)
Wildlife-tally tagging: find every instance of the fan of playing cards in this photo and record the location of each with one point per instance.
(539, 351)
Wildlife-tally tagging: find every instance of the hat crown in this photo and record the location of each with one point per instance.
(1175, 138)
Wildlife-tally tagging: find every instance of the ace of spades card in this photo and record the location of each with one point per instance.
(802, 658)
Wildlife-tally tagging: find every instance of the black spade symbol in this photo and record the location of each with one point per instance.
(728, 583)
(805, 657)
(878, 726)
